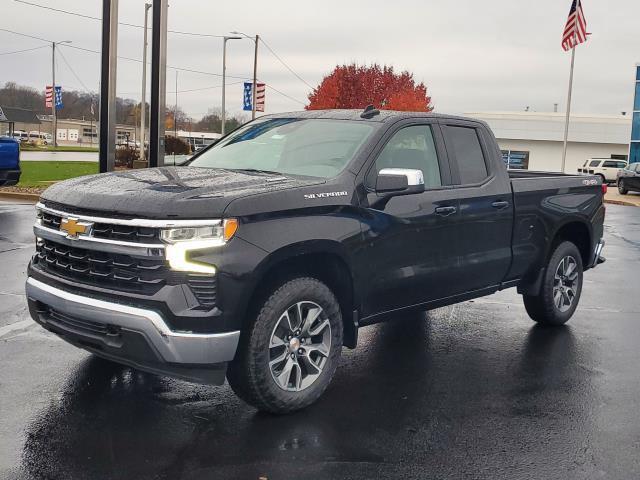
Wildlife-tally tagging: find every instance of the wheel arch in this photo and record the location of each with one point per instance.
(574, 230)
(323, 260)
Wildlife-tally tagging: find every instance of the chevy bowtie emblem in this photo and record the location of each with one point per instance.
(73, 227)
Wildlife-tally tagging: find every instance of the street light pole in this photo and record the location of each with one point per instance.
(224, 80)
(255, 79)
(143, 109)
(256, 39)
(54, 117)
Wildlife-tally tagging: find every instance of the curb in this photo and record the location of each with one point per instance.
(621, 202)
(32, 197)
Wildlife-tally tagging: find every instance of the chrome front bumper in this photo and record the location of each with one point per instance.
(170, 346)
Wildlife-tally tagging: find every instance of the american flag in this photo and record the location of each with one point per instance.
(575, 31)
(260, 94)
(48, 97)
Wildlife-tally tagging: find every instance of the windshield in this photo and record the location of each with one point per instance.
(308, 147)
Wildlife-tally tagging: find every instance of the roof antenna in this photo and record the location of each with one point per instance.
(369, 112)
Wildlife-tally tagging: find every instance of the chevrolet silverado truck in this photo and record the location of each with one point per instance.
(263, 257)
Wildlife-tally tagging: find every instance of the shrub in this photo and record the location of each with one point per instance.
(176, 146)
(125, 156)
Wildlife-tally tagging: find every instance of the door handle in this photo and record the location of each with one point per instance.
(446, 211)
(500, 204)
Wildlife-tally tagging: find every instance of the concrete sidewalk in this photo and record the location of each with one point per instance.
(630, 199)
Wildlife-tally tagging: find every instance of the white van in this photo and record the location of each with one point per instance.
(40, 138)
(607, 168)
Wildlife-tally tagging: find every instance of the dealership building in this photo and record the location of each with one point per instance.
(534, 140)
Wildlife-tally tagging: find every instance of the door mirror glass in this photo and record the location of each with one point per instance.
(399, 181)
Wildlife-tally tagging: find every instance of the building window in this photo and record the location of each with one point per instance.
(634, 152)
(89, 132)
(615, 156)
(515, 160)
(635, 128)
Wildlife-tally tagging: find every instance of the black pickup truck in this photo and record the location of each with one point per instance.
(263, 257)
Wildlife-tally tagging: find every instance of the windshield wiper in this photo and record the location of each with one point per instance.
(255, 170)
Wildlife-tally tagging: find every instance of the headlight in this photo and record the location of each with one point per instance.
(184, 240)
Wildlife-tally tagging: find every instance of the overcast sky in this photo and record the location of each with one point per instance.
(473, 55)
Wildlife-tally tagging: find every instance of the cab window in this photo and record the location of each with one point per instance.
(468, 153)
(413, 148)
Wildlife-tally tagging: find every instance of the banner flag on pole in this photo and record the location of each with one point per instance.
(48, 97)
(248, 106)
(260, 96)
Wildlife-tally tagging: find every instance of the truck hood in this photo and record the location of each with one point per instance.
(166, 192)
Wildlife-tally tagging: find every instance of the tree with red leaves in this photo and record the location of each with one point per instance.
(353, 86)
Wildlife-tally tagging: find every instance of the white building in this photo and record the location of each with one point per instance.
(534, 140)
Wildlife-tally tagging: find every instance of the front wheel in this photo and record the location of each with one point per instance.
(621, 187)
(561, 287)
(289, 352)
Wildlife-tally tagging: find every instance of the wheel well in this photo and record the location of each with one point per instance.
(329, 268)
(578, 234)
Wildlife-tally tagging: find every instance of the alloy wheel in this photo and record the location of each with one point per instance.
(565, 283)
(299, 346)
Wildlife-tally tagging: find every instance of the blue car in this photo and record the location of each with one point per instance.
(9, 161)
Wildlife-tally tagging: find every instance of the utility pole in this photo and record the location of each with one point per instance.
(224, 80)
(54, 117)
(143, 109)
(255, 79)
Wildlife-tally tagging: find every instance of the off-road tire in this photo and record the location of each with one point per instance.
(249, 374)
(542, 308)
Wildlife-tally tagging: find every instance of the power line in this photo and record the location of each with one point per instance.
(25, 35)
(182, 69)
(89, 17)
(284, 94)
(24, 50)
(284, 63)
(73, 72)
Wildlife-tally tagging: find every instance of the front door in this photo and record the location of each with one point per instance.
(409, 239)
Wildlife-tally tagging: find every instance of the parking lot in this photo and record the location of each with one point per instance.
(471, 391)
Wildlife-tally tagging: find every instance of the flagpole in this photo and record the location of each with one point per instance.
(566, 122)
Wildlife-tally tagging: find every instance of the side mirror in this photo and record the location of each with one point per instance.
(399, 181)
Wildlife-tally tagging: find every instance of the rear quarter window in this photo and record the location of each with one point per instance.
(465, 143)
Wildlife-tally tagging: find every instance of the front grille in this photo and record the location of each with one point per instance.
(120, 272)
(204, 288)
(126, 233)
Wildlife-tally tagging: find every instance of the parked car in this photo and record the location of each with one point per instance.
(629, 179)
(40, 138)
(605, 168)
(9, 161)
(263, 256)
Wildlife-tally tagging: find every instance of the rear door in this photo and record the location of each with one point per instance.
(610, 169)
(486, 208)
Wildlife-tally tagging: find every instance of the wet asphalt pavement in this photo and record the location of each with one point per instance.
(471, 391)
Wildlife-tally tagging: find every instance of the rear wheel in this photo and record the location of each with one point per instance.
(289, 353)
(622, 188)
(561, 287)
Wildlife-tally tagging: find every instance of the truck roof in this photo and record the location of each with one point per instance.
(354, 114)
